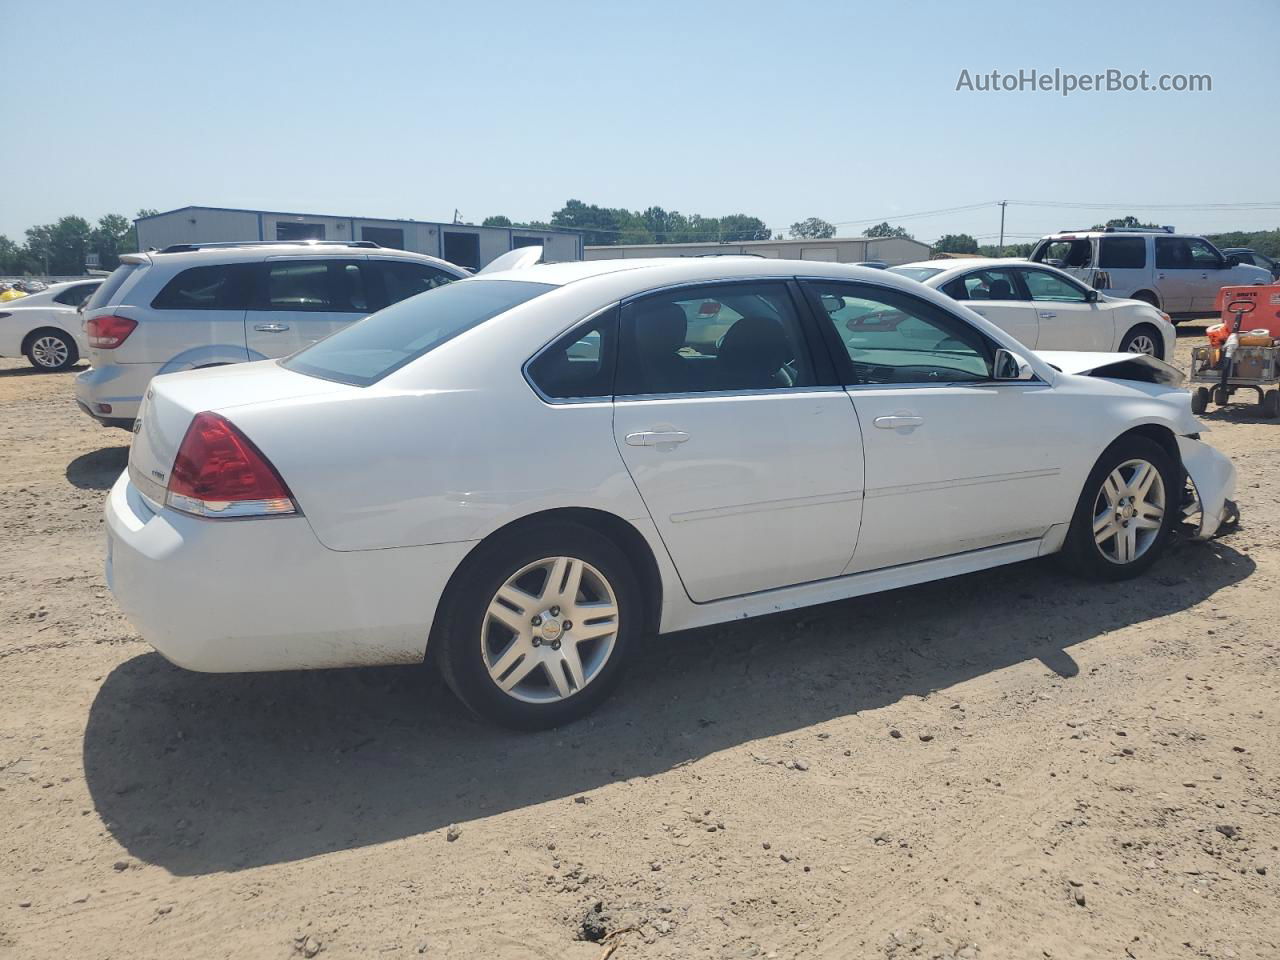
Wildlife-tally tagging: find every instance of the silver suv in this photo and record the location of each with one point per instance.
(1179, 273)
(204, 305)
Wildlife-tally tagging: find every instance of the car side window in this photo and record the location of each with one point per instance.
(1178, 253)
(402, 279)
(1045, 286)
(984, 285)
(1203, 254)
(891, 337)
(74, 296)
(723, 337)
(218, 287)
(1123, 253)
(580, 365)
(324, 286)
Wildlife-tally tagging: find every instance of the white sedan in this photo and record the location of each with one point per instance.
(45, 326)
(1047, 308)
(531, 471)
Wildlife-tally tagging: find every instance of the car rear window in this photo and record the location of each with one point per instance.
(916, 273)
(102, 296)
(376, 346)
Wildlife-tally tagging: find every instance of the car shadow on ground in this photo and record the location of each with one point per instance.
(202, 773)
(34, 372)
(98, 469)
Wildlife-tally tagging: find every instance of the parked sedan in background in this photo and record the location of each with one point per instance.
(45, 326)
(1046, 308)
(534, 469)
(1253, 258)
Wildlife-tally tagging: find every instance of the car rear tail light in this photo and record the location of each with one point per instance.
(107, 333)
(220, 473)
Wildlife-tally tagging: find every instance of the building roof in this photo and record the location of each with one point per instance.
(347, 216)
(751, 243)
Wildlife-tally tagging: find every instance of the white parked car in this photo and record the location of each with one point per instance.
(1046, 308)
(530, 471)
(45, 327)
(203, 305)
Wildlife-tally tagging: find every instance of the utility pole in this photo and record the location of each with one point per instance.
(1002, 205)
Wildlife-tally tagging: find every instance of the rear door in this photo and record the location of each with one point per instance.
(747, 454)
(298, 301)
(1068, 320)
(997, 295)
(196, 317)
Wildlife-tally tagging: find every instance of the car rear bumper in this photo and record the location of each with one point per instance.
(246, 595)
(119, 386)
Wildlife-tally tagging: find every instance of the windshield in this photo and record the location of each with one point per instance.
(369, 350)
(916, 273)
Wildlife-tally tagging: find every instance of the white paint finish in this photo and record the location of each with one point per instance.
(213, 596)
(38, 311)
(1015, 317)
(1214, 477)
(398, 480)
(764, 493)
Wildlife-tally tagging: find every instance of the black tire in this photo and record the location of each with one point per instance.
(1144, 330)
(51, 350)
(458, 637)
(1200, 400)
(1221, 396)
(1271, 404)
(1082, 552)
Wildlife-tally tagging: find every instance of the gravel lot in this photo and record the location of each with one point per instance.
(1009, 764)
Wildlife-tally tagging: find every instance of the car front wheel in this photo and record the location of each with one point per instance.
(1143, 339)
(1126, 511)
(538, 625)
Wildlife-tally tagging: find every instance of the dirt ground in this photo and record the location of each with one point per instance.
(1011, 764)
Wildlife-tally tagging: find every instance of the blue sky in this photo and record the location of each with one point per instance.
(845, 111)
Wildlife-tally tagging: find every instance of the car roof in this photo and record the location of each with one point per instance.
(953, 268)
(636, 274)
(253, 252)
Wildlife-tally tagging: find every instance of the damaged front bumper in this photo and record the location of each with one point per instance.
(1213, 481)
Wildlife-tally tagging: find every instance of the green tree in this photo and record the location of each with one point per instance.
(496, 221)
(1010, 250)
(813, 228)
(737, 227)
(1130, 221)
(112, 236)
(11, 257)
(956, 243)
(886, 229)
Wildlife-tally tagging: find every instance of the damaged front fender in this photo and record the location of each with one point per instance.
(1213, 478)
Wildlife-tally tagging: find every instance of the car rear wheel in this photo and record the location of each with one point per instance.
(1126, 511)
(1143, 338)
(51, 350)
(537, 627)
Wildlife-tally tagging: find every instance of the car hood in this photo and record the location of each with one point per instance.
(1114, 366)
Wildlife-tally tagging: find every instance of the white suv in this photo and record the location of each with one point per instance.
(204, 305)
(1178, 273)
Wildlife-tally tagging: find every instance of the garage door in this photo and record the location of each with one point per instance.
(818, 253)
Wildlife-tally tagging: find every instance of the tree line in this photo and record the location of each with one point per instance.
(60, 248)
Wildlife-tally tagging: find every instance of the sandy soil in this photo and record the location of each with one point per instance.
(1007, 765)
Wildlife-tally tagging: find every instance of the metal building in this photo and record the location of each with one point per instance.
(890, 250)
(463, 244)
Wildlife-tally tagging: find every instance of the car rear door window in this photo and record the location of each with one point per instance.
(580, 364)
(216, 287)
(1123, 253)
(74, 296)
(891, 337)
(985, 285)
(728, 337)
(1045, 286)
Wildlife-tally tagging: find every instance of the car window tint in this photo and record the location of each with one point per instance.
(1123, 253)
(102, 296)
(580, 364)
(365, 352)
(298, 285)
(1077, 252)
(893, 338)
(1203, 254)
(74, 296)
(714, 338)
(403, 279)
(1045, 286)
(986, 285)
(217, 287)
(1175, 253)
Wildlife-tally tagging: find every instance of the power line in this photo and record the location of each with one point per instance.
(1248, 205)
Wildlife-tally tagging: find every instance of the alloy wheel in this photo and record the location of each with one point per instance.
(1142, 343)
(50, 352)
(1128, 512)
(549, 630)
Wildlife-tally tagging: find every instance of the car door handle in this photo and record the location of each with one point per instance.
(652, 438)
(271, 327)
(1046, 315)
(898, 421)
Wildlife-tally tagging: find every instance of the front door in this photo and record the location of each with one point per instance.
(955, 461)
(1182, 271)
(748, 456)
(1068, 319)
(299, 301)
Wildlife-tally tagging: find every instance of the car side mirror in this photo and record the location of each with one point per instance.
(1010, 366)
(1091, 296)
(1231, 260)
